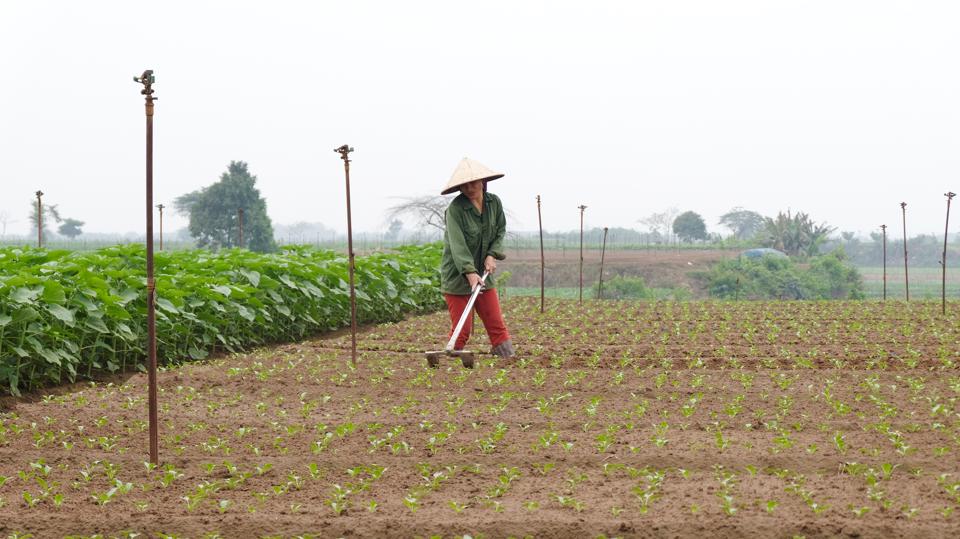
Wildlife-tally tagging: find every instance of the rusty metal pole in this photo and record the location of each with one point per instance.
(603, 252)
(884, 228)
(946, 234)
(540, 222)
(906, 272)
(344, 154)
(39, 220)
(147, 79)
(240, 222)
(582, 208)
(160, 207)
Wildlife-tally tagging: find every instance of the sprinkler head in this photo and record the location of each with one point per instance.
(951, 194)
(903, 205)
(146, 78)
(39, 194)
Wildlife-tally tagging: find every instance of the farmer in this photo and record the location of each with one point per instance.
(472, 244)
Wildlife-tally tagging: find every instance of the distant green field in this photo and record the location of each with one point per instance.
(570, 292)
(925, 283)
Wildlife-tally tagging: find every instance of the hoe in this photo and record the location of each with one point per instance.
(433, 358)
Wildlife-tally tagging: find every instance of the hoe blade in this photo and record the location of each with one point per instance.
(466, 358)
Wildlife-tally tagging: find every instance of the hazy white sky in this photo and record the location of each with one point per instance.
(838, 108)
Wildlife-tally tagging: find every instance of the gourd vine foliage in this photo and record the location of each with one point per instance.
(66, 314)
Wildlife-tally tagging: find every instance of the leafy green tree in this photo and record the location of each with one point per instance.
(71, 228)
(743, 223)
(393, 231)
(689, 226)
(795, 234)
(213, 212)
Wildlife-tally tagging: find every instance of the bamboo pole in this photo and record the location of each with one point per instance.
(884, 228)
(603, 252)
(906, 271)
(160, 207)
(39, 220)
(946, 234)
(542, 264)
(582, 208)
(240, 223)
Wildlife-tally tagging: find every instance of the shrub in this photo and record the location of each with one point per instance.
(825, 277)
(620, 287)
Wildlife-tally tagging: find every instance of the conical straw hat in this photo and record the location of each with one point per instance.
(467, 171)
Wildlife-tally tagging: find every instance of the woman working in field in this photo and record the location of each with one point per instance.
(472, 244)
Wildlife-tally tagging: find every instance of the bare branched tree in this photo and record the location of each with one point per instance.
(427, 210)
(5, 219)
(661, 222)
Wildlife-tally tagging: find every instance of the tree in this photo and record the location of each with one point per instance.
(743, 223)
(393, 231)
(214, 220)
(71, 228)
(659, 223)
(795, 234)
(428, 210)
(4, 221)
(50, 213)
(689, 226)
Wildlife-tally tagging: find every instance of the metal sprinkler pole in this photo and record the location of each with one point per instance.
(884, 228)
(582, 208)
(240, 222)
(39, 220)
(603, 252)
(906, 272)
(946, 234)
(147, 79)
(344, 151)
(540, 222)
(160, 207)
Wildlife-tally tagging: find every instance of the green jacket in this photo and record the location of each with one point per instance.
(469, 237)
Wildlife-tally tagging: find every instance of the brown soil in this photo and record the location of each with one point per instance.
(616, 419)
(669, 268)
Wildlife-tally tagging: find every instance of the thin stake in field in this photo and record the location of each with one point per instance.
(39, 220)
(582, 208)
(906, 271)
(946, 234)
(603, 252)
(240, 225)
(147, 79)
(160, 207)
(884, 229)
(540, 223)
(344, 152)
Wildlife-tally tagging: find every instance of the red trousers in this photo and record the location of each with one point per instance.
(488, 307)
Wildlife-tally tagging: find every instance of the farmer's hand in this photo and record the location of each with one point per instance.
(474, 280)
(490, 264)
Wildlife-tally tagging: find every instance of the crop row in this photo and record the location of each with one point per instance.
(64, 314)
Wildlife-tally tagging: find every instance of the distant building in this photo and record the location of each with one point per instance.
(762, 252)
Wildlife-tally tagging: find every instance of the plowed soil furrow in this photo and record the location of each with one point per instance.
(615, 419)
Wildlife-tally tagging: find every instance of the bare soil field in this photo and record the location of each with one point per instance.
(663, 269)
(617, 419)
